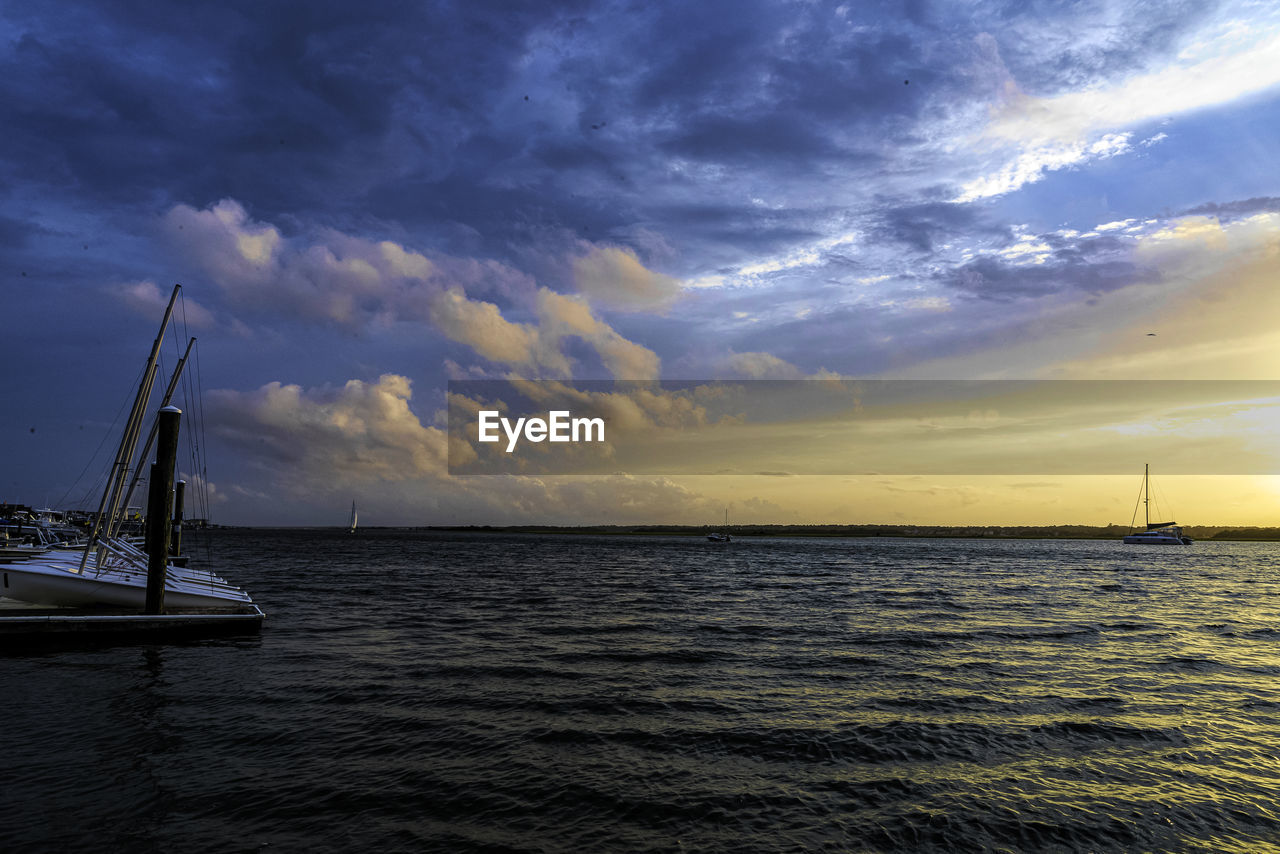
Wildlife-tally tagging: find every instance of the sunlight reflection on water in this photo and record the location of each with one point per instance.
(466, 692)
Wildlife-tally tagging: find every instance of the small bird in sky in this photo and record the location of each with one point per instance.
(1151, 335)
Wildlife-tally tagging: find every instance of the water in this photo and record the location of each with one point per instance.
(493, 693)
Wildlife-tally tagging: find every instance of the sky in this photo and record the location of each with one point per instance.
(364, 202)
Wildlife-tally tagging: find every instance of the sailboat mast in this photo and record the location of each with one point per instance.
(113, 529)
(1146, 492)
(116, 504)
(112, 495)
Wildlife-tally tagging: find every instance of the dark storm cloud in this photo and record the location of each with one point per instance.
(727, 55)
(992, 278)
(1043, 47)
(1049, 263)
(470, 125)
(771, 137)
(14, 233)
(802, 99)
(279, 105)
(924, 226)
(489, 216)
(766, 230)
(749, 99)
(1232, 210)
(576, 156)
(1084, 251)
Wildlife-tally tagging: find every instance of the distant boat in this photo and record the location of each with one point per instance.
(354, 519)
(41, 529)
(1157, 533)
(719, 536)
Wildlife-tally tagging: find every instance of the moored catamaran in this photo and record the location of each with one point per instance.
(1156, 533)
(721, 536)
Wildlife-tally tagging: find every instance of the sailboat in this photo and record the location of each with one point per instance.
(352, 528)
(1156, 533)
(110, 570)
(721, 536)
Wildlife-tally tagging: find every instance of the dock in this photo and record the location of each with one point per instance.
(21, 622)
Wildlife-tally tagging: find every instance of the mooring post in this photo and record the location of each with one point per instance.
(175, 544)
(160, 506)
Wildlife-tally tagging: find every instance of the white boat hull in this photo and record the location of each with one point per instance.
(1146, 540)
(54, 580)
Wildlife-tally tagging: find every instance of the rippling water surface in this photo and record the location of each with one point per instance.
(415, 691)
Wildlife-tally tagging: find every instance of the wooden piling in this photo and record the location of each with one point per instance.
(160, 507)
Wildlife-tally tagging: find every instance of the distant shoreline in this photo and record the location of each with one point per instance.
(1221, 533)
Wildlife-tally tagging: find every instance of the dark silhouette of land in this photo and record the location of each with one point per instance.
(1008, 532)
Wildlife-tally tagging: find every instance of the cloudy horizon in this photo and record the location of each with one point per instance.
(364, 203)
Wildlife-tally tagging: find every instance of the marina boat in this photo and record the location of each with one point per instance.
(110, 569)
(1156, 533)
(116, 578)
(721, 536)
(41, 528)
